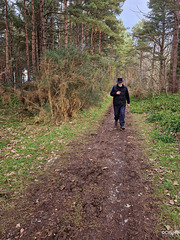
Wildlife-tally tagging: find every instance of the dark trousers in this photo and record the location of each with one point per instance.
(119, 114)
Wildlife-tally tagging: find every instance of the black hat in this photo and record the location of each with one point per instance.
(120, 80)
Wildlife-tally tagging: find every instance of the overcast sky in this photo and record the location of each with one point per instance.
(132, 12)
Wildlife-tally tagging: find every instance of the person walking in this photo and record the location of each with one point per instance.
(120, 96)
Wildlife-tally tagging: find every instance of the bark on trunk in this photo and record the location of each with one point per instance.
(16, 69)
(111, 57)
(92, 40)
(7, 44)
(141, 65)
(161, 78)
(27, 47)
(59, 40)
(174, 51)
(100, 41)
(37, 51)
(74, 35)
(82, 36)
(151, 83)
(11, 64)
(65, 25)
(78, 35)
(43, 36)
(53, 25)
(86, 38)
(33, 39)
(70, 27)
(59, 26)
(70, 32)
(95, 39)
(20, 69)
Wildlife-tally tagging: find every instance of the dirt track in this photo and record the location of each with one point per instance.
(98, 194)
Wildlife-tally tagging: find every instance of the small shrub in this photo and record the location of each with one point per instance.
(70, 82)
(166, 138)
(9, 98)
(156, 117)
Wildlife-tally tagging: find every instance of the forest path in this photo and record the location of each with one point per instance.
(98, 194)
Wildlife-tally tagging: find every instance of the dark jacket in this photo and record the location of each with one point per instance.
(122, 98)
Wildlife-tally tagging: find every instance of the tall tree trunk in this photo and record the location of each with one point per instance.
(86, 38)
(37, 51)
(151, 83)
(100, 41)
(33, 39)
(174, 51)
(27, 47)
(141, 65)
(53, 25)
(92, 40)
(165, 78)
(70, 26)
(20, 69)
(70, 32)
(16, 71)
(74, 35)
(95, 39)
(59, 27)
(43, 36)
(78, 34)
(82, 35)
(111, 57)
(65, 25)
(59, 39)
(7, 44)
(11, 64)
(161, 77)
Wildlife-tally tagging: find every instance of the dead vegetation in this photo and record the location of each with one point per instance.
(67, 82)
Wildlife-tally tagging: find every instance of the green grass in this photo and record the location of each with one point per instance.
(158, 122)
(27, 148)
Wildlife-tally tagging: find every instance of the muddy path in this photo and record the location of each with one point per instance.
(98, 194)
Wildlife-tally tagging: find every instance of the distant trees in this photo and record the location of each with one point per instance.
(28, 28)
(160, 31)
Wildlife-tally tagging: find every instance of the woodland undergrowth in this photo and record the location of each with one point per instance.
(158, 124)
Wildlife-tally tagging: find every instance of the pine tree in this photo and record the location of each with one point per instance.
(7, 43)
(33, 38)
(174, 52)
(27, 47)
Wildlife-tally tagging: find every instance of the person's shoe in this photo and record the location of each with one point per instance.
(115, 123)
(123, 128)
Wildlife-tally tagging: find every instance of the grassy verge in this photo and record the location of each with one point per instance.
(27, 148)
(158, 123)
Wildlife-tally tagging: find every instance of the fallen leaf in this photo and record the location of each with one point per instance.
(13, 151)
(10, 174)
(127, 205)
(18, 225)
(175, 183)
(62, 187)
(168, 227)
(171, 202)
(105, 168)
